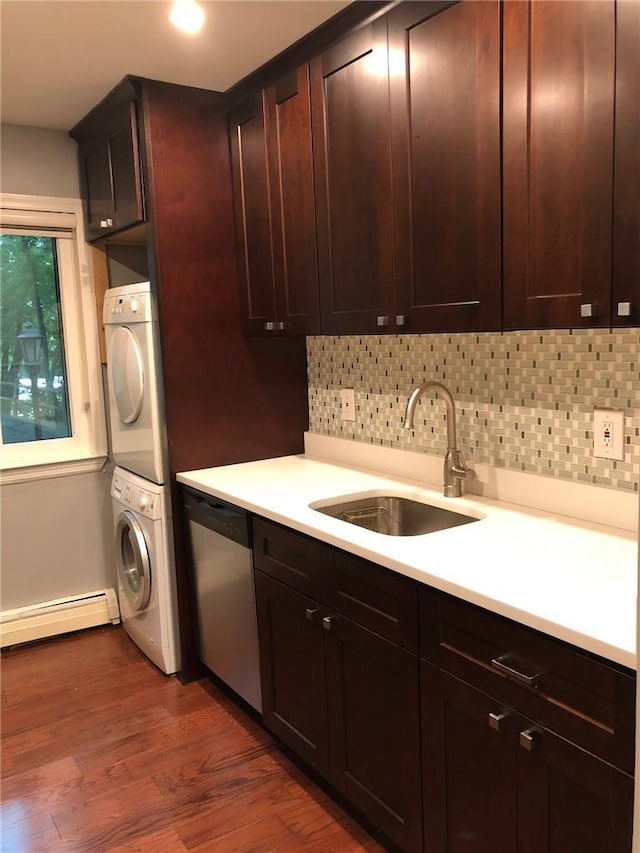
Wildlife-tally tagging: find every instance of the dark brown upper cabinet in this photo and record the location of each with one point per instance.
(110, 170)
(626, 187)
(274, 207)
(352, 161)
(444, 74)
(558, 137)
(455, 166)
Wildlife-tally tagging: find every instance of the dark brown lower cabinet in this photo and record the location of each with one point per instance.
(469, 769)
(570, 801)
(346, 701)
(495, 781)
(374, 739)
(294, 692)
(428, 720)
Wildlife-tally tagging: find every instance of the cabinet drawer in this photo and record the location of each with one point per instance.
(374, 597)
(288, 556)
(578, 696)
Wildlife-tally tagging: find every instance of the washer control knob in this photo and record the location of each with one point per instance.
(143, 501)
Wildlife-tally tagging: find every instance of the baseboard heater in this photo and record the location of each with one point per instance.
(50, 618)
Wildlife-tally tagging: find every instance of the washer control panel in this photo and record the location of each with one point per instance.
(142, 501)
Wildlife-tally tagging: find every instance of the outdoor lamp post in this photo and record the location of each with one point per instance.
(30, 341)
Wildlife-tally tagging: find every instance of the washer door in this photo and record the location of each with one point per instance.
(134, 565)
(126, 374)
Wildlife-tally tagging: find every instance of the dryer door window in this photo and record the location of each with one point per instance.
(134, 566)
(126, 374)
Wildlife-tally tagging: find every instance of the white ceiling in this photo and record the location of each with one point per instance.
(60, 57)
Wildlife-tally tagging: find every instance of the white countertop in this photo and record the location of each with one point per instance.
(572, 579)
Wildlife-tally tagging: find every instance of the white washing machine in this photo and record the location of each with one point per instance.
(136, 411)
(145, 567)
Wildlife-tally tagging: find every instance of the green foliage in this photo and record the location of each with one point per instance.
(29, 292)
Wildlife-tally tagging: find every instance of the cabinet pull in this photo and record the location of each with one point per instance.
(401, 320)
(327, 622)
(280, 326)
(106, 223)
(382, 320)
(497, 721)
(505, 665)
(624, 309)
(588, 309)
(310, 612)
(269, 326)
(528, 739)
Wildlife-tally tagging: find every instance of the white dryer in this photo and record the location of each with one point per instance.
(145, 567)
(138, 434)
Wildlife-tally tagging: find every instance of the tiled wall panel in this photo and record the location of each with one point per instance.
(524, 400)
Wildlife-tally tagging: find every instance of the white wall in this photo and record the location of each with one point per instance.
(55, 539)
(55, 534)
(34, 161)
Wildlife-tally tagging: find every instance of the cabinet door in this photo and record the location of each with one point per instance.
(558, 120)
(96, 187)
(350, 109)
(445, 102)
(626, 199)
(290, 160)
(469, 768)
(570, 801)
(292, 670)
(374, 729)
(253, 216)
(124, 160)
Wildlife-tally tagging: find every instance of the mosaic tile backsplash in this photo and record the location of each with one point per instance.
(524, 400)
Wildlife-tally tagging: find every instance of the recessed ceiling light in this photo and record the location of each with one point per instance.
(187, 15)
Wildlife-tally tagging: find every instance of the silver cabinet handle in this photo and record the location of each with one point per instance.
(401, 320)
(310, 612)
(382, 320)
(624, 309)
(528, 739)
(587, 309)
(280, 326)
(106, 223)
(497, 721)
(269, 326)
(327, 622)
(505, 665)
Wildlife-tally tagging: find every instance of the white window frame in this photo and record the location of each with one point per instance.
(86, 449)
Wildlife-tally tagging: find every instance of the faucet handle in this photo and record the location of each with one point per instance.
(459, 467)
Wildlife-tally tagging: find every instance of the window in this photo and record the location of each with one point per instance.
(51, 407)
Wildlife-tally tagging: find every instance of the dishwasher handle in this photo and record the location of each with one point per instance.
(218, 516)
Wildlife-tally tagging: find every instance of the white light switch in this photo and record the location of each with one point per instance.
(608, 433)
(348, 401)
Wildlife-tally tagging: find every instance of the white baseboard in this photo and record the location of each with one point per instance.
(50, 618)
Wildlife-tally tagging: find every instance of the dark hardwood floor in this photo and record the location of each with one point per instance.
(101, 752)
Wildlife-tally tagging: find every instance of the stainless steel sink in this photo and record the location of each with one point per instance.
(395, 516)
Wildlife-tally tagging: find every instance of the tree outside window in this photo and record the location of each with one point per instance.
(34, 402)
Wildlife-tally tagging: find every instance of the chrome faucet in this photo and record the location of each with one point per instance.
(455, 468)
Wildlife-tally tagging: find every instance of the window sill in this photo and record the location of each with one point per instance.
(44, 471)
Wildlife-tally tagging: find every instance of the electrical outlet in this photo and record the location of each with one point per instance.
(348, 401)
(608, 433)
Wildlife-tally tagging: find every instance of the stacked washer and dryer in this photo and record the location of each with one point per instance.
(140, 495)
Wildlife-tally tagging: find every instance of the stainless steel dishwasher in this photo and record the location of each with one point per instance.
(220, 542)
